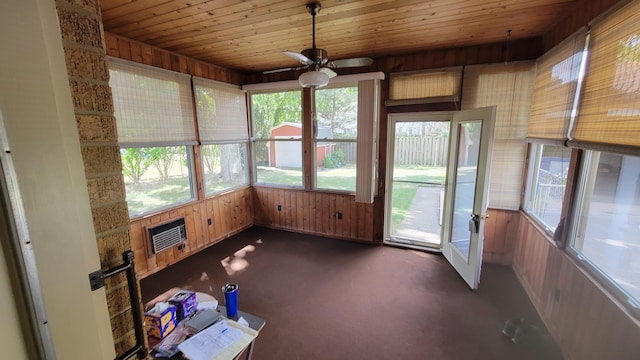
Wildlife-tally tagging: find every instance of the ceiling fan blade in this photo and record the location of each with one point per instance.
(284, 69)
(328, 71)
(354, 62)
(303, 59)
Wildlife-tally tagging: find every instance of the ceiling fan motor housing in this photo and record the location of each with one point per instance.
(318, 56)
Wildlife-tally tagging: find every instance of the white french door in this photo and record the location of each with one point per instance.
(467, 190)
(438, 201)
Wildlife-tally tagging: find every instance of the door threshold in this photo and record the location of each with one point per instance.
(408, 244)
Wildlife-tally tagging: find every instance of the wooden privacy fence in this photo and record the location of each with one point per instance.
(424, 150)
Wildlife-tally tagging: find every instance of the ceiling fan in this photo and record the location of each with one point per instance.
(316, 60)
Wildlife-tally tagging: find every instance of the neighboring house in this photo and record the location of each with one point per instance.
(288, 154)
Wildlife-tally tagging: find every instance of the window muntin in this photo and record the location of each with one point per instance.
(607, 219)
(547, 180)
(156, 178)
(336, 111)
(276, 119)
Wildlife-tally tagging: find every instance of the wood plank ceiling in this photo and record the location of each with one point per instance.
(249, 35)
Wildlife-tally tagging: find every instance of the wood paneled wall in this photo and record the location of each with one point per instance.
(581, 16)
(313, 212)
(524, 49)
(230, 213)
(585, 321)
(132, 50)
(500, 234)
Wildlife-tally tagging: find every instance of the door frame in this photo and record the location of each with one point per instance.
(392, 119)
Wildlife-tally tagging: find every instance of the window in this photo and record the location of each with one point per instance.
(225, 167)
(156, 177)
(222, 125)
(156, 133)
(335, 138)
(278, 133)
(276, 119)
(607, 219)
(547, 179)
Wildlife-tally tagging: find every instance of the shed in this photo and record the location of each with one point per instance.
(288, 154)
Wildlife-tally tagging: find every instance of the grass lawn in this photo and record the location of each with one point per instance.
(403, 193)
(343, 178)
(149, 195)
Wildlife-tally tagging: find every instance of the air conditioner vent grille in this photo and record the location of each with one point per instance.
(165, 236)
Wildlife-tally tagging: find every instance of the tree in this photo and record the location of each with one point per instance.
(272, 109)
(163, 158)
(135, 162)
(337, 109)
(210, 157)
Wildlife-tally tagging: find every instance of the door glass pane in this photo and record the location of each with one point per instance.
(465, 183)
(419, 170)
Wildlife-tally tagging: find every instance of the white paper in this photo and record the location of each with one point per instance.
(224, 339)
(243, 322)
(207, 305)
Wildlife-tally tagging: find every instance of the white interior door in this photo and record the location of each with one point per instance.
(467, 189)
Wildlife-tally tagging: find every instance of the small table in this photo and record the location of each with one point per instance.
(256, 323)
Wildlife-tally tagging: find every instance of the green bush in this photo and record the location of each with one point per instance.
(336, 159)
(328, 162)
(339, 159)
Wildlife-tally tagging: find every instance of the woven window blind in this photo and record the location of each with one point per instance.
(153, 107)
(222, 112)
(555, 89)
(509, 87)
(439, 85)
(610, 108)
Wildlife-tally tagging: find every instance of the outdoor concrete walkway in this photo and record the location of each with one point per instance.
(422, 220)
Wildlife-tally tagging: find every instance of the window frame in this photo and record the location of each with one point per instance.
(245, 183)
(172, 130)
(536, 151)
(315, 139)
(254, 141)
(189, 151)
(586, 177)
(228, 131)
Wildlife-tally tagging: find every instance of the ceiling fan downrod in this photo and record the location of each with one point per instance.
(313, 9)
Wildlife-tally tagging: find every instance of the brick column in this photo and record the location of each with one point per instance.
(83, 41)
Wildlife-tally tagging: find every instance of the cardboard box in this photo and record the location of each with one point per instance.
(160, 324)
(185, 303)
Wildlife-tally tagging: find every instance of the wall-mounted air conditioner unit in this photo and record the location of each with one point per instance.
(167, 235)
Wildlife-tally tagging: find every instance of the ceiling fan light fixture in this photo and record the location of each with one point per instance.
(313, 79)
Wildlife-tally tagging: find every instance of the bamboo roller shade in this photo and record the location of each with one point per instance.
(555, 89)
(610, 108)
(222, 111)
(152, 106)
(422, 85)
(508, 87)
